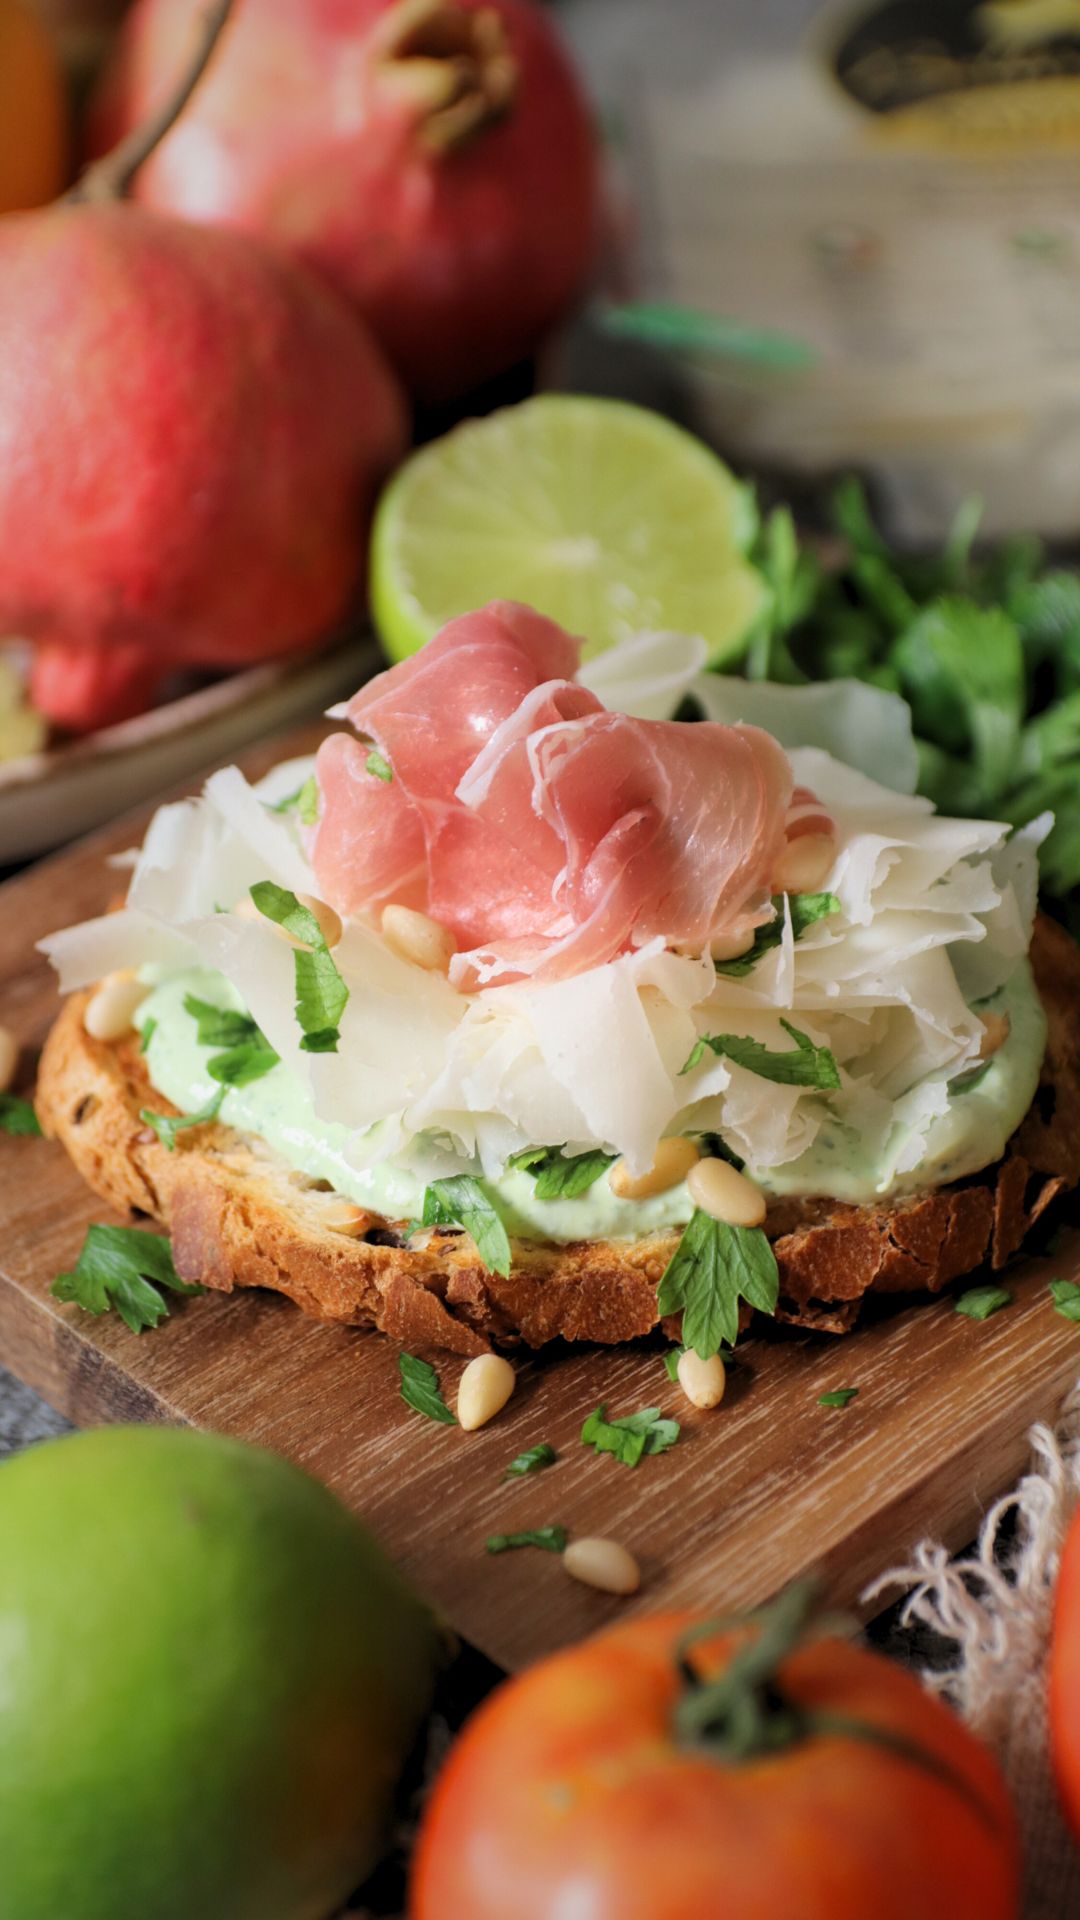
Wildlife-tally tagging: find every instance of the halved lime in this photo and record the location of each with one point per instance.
(602, 515)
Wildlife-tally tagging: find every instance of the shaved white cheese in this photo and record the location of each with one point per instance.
(83, 954)
(932, 914)
(859, 725)
(646, 675)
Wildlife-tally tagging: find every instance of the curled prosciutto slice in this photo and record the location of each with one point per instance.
(546, 833)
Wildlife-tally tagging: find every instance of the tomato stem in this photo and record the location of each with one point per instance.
(744, 1713)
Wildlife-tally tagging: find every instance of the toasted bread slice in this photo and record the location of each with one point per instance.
(239, 1217)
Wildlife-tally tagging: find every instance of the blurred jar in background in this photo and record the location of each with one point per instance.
(895, 186)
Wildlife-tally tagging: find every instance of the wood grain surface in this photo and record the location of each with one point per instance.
(765, 1487)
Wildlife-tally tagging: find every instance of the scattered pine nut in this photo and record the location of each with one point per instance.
(602, 1564)
(731, 946)
(9, 1058)
(702, 1381)
(996, 1030)
(417, 937)
(483, 1390)
(341, 1216)
(722, 1191)
(111, 1008)
(672, 1162)
(805, 864)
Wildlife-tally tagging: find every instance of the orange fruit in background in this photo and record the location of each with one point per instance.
(33, 112)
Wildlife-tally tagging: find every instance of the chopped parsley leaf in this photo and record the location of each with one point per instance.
(978, 1303)
(1066, 1297)
(630, 1437)
(550, 1539)
(806, 910)
(18, 1116)
(420, 1389)
(804, 1065)
(321, 993)
(562, 1176)
(125, 1268)
(532, 1460)
(461, 1201)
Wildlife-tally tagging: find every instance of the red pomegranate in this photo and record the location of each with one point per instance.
(435, 159)
(192, 431)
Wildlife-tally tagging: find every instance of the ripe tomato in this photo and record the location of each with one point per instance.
(612, 1782)
(1064, 1694)
(33, 113)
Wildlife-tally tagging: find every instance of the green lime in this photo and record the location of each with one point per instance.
(210, 1677)
(604, 516)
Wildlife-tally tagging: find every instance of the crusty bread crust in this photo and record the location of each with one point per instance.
(239, 1217)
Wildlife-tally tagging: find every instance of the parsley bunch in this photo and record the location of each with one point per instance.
(984, 648)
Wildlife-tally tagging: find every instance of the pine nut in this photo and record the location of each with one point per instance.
(110, 1010)
(996, 1030)
(805, 864)
(603, 1564)
(702, 1381)
(727, 1194)
(731, 946)
(672, 1162)
(9, 1058)
(417, 937)
(341, 1216)
(483, 1390)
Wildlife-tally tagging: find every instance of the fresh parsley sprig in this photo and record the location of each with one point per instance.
(838, 1397)
(806, 910)
(804, 1065)
(632, 1436)
(321, 993)
(713, 1267)
(18, 1116)
(559, 1175)
(461, 1201)
(420, 1389)
(123, 1268)
(378, 764)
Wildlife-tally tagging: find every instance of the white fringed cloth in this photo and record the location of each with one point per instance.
(994, 1610)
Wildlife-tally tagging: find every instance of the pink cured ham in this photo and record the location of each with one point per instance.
(546, 833)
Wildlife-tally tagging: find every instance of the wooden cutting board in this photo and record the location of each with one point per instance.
(764, 1488)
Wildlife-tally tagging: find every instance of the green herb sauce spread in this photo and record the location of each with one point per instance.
(970, 1134)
